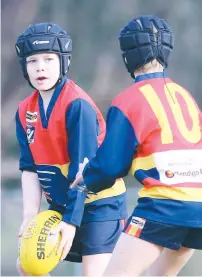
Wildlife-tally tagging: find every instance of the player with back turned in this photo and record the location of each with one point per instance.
(153, 131)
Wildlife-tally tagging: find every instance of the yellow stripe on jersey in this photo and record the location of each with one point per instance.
(172, 193)
(117, 189)
(144, 163)
(64, 168)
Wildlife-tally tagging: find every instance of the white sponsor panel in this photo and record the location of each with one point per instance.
(179, 166)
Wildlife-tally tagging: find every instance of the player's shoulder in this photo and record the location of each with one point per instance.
(75, 92)
(171, 84)
(29, 99)
(128, 97)
(74, 89)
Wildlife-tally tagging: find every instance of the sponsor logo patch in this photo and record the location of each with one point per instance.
(138, 222)
(41, 42)
(136, 226)
(169, 174)
(31, 117)
(179, 166)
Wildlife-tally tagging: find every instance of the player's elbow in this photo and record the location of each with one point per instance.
(112, 172)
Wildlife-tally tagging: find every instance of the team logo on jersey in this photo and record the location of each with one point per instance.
(30, 133)
(31, 117)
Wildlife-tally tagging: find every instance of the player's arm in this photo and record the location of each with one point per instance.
(114, 157)
(31, 192)
(31, 189)
(82, 129)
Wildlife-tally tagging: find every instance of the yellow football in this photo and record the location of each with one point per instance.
(38, 249)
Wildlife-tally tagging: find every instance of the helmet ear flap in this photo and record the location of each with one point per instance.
(24, 68)
(69, 61)
(65, 63)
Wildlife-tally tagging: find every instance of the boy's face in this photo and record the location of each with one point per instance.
(43, 70)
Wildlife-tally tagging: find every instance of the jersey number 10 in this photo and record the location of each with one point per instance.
(192, 134)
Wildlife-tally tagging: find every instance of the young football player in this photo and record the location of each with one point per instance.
(153, 130)
(57, 126)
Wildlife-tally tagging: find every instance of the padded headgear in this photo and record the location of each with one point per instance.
(44, 37)
(144, 39)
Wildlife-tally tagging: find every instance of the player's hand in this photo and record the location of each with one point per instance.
(24, 224)
(68, 232)
(20, 269)
(79, 175)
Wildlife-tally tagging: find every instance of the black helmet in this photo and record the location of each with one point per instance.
(44, 37)
(140, 44)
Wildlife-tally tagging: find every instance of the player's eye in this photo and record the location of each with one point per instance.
(48, 59)
(31, 61)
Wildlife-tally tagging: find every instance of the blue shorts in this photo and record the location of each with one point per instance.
(95, 238)
(166, 235)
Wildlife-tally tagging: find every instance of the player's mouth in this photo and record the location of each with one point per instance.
(42, 78)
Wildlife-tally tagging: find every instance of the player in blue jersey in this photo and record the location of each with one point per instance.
(57, 126)
(153, 130)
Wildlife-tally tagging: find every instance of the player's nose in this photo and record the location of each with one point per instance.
(40, 66)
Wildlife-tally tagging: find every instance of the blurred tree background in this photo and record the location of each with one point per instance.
(98, 68)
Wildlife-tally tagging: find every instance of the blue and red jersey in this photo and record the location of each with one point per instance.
(53, 145)
(154, 130)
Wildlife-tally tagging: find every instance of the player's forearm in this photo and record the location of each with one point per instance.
(75, 207)
(97, 179)
(31, 194)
